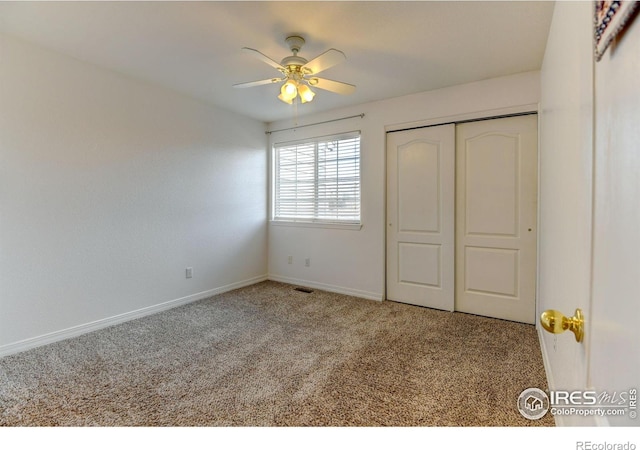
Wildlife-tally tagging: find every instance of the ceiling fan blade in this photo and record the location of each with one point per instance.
(262, 57)
(322, 62)
(333, 86)
(258, 83)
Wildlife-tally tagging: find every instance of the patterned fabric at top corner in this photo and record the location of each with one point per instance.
(610, 18)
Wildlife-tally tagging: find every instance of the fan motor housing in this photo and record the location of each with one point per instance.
(293, 61)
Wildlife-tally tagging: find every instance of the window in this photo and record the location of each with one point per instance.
(318, 180)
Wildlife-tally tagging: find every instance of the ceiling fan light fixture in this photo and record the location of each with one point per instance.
(306, 94)
(285, 99)
(299, 74)
(289, 89)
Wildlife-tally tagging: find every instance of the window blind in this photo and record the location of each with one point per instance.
(318, 180)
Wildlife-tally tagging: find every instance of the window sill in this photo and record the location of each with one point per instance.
(334, 225)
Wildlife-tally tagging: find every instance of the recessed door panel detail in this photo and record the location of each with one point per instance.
(492, 166)
(491, 271)
(419, 264)
(418, 186)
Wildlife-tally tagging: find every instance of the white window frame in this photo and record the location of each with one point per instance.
(308, 220)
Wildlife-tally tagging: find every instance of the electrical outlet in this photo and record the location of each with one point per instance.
(290, 259)
(189, 272)
(307, 262)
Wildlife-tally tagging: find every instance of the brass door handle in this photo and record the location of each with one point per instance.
(555, 322)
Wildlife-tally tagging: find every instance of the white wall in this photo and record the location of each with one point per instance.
(354, 261)
(109, 189)
(566, 158)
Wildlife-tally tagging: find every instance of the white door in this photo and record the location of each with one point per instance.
(614, 336)
(420, 216)
(496, 198)
(566, 183)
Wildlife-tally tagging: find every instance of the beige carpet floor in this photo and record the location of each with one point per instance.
(267, 355)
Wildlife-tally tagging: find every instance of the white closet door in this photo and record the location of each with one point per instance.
(496, 204)
(420, 216)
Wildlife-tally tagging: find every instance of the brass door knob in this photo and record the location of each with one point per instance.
(555, 322)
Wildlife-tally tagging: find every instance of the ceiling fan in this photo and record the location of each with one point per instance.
(299, 75)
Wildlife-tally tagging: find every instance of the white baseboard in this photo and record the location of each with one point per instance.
(78, 330)
(327, 287)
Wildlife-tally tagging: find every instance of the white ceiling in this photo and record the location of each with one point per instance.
(393, 48)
